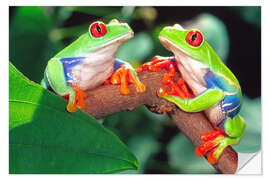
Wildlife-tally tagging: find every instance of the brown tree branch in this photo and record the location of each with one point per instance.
(106, 100)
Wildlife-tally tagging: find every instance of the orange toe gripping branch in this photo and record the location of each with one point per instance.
(124, 76)
(211, 142)
(179, 89)
(80, 95)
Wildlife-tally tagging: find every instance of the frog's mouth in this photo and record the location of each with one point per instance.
(121, 39)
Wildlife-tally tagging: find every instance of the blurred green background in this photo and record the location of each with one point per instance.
(37, 33)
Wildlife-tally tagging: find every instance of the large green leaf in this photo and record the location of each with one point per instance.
(44, 138)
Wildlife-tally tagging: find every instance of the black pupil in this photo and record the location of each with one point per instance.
(98, 29)
(194, 37)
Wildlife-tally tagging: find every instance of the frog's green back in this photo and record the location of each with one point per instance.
(75, 49)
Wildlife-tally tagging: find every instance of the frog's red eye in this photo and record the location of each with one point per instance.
(194, 38)
(98, 29)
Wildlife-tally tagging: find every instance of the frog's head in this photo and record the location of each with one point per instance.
(101, 42)
(114, 33)
(186, 44)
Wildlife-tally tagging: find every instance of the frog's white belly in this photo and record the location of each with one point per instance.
(96, 68)
(88, 76)
(192, 72)
(94, 71)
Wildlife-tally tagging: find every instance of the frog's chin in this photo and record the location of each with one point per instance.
(190, 68)
(108, 50)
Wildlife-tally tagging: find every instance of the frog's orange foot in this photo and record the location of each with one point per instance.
(177, 89)
(158, 63)
(124, 76)
(80, 95)
(180, 89)
(214, 144)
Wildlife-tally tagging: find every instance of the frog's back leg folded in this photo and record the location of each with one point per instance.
(230, 133)
(55, 78)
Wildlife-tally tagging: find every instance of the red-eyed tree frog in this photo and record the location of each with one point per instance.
(89, 62)
(214, 88)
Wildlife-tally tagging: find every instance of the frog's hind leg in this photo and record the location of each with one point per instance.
(230, 133)
(133, 78)
(56, 78)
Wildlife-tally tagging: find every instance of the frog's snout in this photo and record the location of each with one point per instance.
(131, 33)
(129, 28)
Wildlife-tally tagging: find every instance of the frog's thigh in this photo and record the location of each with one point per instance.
(56, 77)
(215, 114)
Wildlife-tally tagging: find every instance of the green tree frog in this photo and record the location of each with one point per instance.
(211, 87)
(89, 62)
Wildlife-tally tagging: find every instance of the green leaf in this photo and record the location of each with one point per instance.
(44, 138)
(182, 156)
(251, 112)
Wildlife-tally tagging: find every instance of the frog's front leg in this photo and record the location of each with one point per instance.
(158, 62)
(208, 98)
(123, 75)
(57, 81)
(230, 133)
